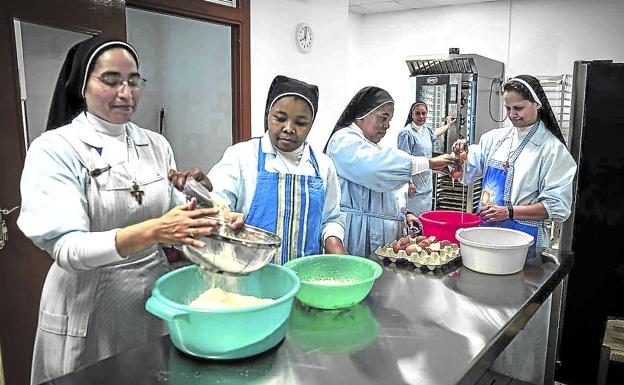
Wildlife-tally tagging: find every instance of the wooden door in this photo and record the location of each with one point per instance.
(23, 267)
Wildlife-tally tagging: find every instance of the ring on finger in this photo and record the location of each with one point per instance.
(192, 233)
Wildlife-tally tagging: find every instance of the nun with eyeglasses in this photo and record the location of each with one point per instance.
(527, 175)
(96, 197)
(278, 183)
(370, 174)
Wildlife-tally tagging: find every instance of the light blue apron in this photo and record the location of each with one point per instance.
(290, 206)
(422, 146)
(497, 183)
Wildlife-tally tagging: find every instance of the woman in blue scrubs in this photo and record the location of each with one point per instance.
(370, 174)
(279, 183)
(417, 138)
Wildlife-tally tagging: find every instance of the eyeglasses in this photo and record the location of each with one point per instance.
(113, 80)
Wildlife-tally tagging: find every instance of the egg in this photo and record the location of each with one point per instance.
(411, 249)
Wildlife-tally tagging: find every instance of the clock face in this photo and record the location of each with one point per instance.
(304, 37)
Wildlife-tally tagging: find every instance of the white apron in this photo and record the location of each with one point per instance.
(87, 316)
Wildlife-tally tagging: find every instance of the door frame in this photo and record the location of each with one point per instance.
(238, 18)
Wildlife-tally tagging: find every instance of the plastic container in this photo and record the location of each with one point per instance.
(444, 224)
(494, 250)
(331, 281)
(224, 334)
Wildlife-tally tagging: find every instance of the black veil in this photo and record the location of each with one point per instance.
(546, 113)
(68, 98)
(365, 100)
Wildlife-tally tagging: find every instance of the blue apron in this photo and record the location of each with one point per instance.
(290, 206)
(496, 189)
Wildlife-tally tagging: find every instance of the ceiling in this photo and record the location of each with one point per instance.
(364, 7)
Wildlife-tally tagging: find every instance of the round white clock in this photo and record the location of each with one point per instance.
(303, 35)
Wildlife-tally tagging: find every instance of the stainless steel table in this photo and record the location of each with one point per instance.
(413, 328)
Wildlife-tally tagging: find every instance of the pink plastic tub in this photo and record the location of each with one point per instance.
(444, 224)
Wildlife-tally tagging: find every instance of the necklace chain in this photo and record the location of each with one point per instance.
(136, 191)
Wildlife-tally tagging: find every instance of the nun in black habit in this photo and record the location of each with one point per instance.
(279, 183)
(370, 175)
(95, 196)
(527, 174)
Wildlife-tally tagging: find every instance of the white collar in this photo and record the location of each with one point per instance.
(268, 148)
(417, 127)
(359, 131)
(104, 127)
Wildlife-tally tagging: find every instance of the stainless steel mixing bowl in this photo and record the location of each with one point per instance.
(239, 251)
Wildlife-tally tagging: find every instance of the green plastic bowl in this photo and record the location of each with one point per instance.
(354, 278)
(224, 334)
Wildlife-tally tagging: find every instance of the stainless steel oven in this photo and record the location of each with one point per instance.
(468, 88)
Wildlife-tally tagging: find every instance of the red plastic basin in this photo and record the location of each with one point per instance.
(443, 224)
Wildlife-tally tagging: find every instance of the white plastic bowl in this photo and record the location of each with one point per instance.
(493, 250)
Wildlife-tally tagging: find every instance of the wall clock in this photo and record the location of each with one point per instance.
(303, 35)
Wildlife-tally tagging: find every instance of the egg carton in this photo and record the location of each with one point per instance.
(424, 260)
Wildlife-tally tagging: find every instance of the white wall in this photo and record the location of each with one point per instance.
(44, 49)
(386, 40)
(529, 36)
(273, 52)
(548, 36)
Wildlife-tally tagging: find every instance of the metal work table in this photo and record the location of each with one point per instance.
(413, 328)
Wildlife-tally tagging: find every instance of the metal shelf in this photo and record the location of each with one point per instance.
(558, 90)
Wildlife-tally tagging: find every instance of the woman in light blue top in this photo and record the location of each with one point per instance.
(527, 178)
(370, 174)
(417, 138)
(527, 169)
(96, 197)
(278, 182)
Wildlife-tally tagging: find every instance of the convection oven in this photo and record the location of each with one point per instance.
(466, 87)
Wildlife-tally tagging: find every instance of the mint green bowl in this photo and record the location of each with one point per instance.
(224, 334)
(332, 281)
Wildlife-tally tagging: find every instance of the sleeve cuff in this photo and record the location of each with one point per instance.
(419, 164)
(333, 229)
(81, 251)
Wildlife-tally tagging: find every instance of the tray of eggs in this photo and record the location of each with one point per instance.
(422, 252)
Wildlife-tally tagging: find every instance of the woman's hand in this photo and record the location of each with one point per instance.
(181, 225)
(184, 223)
(179, 178)
(494, 213)
(236, 220)
(439, 162)
(333, 245)
(411, 189)
(460, 149)
(413, 224)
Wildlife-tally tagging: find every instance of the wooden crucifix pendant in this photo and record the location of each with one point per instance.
(137, 193)
(506, 166)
